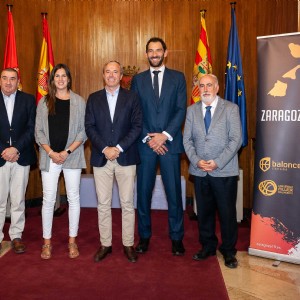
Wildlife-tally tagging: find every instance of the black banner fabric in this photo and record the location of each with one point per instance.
(275, 229)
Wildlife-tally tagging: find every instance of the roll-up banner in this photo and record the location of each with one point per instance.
(275, 226)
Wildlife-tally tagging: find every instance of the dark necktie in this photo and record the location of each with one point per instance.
(155, 85)
(207, 118)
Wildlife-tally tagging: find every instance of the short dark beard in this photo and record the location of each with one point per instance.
(159, 63)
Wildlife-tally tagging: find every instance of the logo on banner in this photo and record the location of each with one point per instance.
(265, 164)
(279, 89)
(268, 187)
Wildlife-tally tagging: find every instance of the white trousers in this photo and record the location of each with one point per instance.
(125, 176)
(13, 184)
(49, 181)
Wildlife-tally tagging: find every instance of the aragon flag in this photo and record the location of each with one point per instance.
(234, 78)
(203, 61)
(46, 62)
(10, 56)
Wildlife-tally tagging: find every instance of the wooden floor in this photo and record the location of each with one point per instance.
(256, 278)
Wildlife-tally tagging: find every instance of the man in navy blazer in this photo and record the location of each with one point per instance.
(17, 120)
(162, 92)
(113, 124)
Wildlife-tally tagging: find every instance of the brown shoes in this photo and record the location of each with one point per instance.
(18, 246)
(102, 252)
(130, 254)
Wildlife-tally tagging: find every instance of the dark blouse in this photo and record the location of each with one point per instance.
(59, 125)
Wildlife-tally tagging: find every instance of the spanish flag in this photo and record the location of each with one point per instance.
(203, 62)
(46, 62)
(10, 56)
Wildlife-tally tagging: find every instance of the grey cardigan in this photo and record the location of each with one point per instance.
(76, 159)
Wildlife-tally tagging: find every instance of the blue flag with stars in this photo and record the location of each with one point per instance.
(234, 80)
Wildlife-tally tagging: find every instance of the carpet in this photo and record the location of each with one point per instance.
(157, 274)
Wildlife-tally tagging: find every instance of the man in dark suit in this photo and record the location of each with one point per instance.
(17, 120)
(162, 92)
(113, 124)
(212, 138)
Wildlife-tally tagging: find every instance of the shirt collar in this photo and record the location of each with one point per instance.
(13, 95)
(115, 92)
(161, 69)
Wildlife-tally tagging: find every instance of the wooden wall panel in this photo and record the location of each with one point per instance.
(87, 33)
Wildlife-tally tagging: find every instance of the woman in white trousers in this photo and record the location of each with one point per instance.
(60, 134)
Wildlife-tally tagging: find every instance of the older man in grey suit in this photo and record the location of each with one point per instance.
(212, 138)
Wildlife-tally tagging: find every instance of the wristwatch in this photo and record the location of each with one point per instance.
(68, 151)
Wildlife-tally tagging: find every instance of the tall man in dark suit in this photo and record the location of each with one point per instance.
(17, 120)
(212, 138)
(113, 124)
(162, 92)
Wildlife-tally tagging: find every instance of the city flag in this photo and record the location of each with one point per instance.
(234, 79)
(46, 62)
(203, 62)
(10, 55)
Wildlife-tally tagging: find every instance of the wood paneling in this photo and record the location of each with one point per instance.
(87, 33)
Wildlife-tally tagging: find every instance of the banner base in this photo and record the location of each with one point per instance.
(273, 255)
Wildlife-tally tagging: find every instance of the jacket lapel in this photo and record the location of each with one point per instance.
(104, 108)
(16, 109)
(166, 83)
(148, 87)
(3, 110)
(200, 115)
(119, 105)
(218, 112)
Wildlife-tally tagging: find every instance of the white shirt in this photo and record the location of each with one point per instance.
(213, 107)
(112, 102)
(160, 76)
(160, 81)
(9, 102)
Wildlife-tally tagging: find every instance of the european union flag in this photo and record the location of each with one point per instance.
(234, 80)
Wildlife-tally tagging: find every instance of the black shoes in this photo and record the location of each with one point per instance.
(203, 254)
(142, 246)
(101, 253)
(230, 261)
(177, 248)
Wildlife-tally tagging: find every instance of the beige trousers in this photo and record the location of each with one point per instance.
(125, 176)
(13, 184)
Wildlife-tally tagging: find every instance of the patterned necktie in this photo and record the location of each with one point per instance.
(207, 118)
(155, 85)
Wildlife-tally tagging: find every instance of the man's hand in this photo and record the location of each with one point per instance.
(162, 150)
(111, 153)
(207, 166)
(157, 143)
(10, 154)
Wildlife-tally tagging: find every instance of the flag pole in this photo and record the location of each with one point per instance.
(9, 6)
